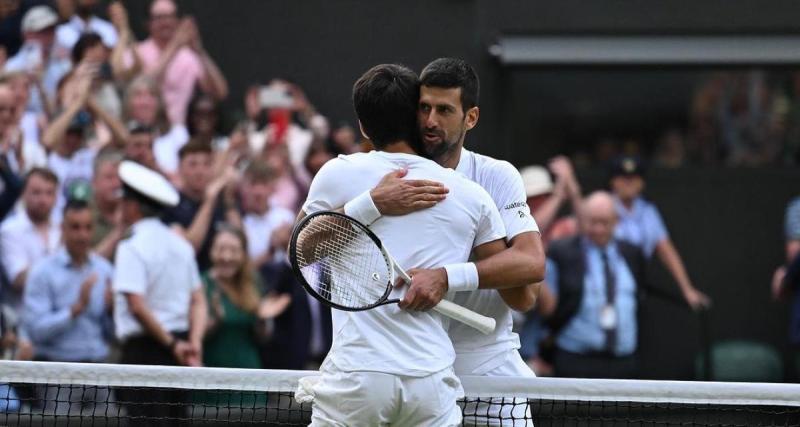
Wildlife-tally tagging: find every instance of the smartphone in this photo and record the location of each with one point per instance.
(272, 98)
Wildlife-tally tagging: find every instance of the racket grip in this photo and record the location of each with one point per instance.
(466, 316)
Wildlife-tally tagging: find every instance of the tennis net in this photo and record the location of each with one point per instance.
(72, 394)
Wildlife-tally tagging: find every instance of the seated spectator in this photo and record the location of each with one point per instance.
(20, 155)
(85, 20)
(261, 219)
(105, 204)
(203, 203)
(40, 55)
(595, 277)
(640, 223)
(67, 301)
(26, 237)
(174, 56)
(143, 104)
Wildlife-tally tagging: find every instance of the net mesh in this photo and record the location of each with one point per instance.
(340, 262)
(68, 394)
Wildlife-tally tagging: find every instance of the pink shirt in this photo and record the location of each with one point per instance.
(182, 73)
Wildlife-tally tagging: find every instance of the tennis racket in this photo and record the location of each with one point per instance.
(343, 264)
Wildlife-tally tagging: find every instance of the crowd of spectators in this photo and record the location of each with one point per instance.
(79, 94)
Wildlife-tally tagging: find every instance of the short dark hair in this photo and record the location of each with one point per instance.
(451, 73)
(86, 41)
(43, 173)
(75, 205)
(195, 147)
(385, 99)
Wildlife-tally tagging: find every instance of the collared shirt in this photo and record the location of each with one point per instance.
(641, 225)
(159, 265)
(259, 228)
(792, 220)
(68, 33)
(22, 245)
(53, 286)
(583, 332)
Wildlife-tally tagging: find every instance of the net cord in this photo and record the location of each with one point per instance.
(567, 389)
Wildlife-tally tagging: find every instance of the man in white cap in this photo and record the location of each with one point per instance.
(546, 198)
(40, 56)
(160, 308)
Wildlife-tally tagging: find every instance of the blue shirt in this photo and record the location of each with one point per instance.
(641, 225)
(53, 286)
(583, 332)
(792, 220)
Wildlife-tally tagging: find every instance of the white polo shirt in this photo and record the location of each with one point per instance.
(387, 339)
(476, 352)
(159, 265)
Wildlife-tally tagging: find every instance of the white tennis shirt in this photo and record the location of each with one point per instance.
(476, 351)
(160, 266)
(388, 339)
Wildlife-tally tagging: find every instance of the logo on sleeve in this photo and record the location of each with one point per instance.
(515, 205)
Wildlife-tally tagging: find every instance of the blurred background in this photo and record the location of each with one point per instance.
(706, 94)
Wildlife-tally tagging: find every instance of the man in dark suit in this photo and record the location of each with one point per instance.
(595, 279)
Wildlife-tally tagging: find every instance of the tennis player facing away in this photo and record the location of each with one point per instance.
(390, 366)
(448, 109)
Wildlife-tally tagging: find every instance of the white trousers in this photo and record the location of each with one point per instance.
(355, 399)
(501, 412)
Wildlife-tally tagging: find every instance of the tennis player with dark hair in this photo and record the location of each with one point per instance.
(387, 365)
(448, 109)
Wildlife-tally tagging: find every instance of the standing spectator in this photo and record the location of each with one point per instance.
(106, 213)
(30, 234)
(90, 49)
(174, 56)
(203, 202)
(67, 301)
(26, 237)
(261, 219)
(786, 280)
(40, 56)
(288, 187)
(139, 147)
(546, 198)
(595, 278)
(233, 297)
(159, 309)
(204, 122)
(144, 105)
(85, 20)
(20, 154)
(68, 136)
(29, 122)
(640, 223)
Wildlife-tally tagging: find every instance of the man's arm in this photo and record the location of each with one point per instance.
(196, 233)
(672, 261)
(139, 310)
(198, 314)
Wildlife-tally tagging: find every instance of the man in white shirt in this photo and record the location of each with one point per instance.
(85, 20)
(447, 110)
(389, 365)
(159, 307)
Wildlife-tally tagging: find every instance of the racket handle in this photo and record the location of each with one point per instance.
(466, 316)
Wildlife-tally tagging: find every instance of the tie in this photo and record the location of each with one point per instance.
(611, 293)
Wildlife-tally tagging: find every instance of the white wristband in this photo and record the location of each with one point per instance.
(362, 209)
(462, 277)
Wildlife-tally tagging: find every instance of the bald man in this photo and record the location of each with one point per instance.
(595, 278)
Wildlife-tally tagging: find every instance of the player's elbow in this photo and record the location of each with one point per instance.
(534, 271)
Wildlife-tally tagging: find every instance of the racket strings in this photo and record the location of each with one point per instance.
(341, 263)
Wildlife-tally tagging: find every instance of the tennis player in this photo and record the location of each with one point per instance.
(390, 366)
(448, 109)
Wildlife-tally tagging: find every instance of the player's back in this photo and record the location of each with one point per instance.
(389, 339)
